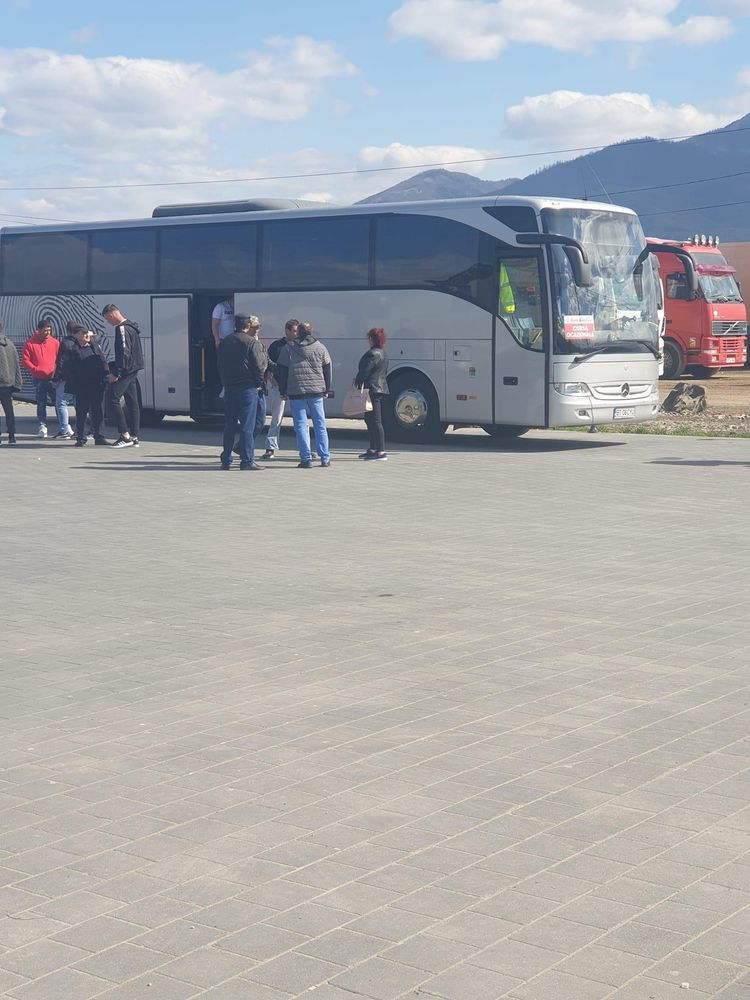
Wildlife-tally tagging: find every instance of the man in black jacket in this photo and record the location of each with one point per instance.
(84, 370)
(275, 403)
(242, 361)
(124, 379)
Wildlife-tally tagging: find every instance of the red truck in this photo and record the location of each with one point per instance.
(706, 328)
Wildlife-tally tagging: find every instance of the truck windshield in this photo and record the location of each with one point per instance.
(719, 288)
(620, 309)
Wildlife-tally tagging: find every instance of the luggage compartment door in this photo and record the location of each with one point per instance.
(170, 339)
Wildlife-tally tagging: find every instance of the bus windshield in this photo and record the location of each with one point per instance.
(620, 308)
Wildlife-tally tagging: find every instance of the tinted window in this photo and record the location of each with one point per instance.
(210, 257)
(123, 260)
(413, 251)
(44, 263)
(316, 253)
(520, 218)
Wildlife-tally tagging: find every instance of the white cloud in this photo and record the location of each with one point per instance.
(84, 35)
(481, 29)
(566, 118)
(398, 154)
(110, 102)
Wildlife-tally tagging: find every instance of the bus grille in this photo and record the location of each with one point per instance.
(728, 328)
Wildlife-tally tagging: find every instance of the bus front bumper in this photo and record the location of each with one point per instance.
(585, 409)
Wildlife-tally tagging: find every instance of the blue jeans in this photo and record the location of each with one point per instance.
(312, 407)
(55, 395)
(240, 406)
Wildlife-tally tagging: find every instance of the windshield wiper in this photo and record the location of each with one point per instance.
(616, 347)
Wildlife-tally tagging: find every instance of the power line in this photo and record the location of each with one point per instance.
(695, 208)
(35, 218)
(363, 170)
(700, 180)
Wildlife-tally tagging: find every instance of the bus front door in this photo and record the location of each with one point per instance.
(170, 323)
(520, 342)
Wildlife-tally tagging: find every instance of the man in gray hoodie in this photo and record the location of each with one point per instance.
(10, 381)
(303, 371)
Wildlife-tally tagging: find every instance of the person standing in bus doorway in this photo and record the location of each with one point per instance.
(85, 371)
(242, 362)
(303, 372)
(276, 404)
(10, 382)
(371, 375)
(39, 356)
(124, 379)
(222, 320)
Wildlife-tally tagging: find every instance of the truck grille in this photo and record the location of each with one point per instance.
(728, 328)
(733, 345)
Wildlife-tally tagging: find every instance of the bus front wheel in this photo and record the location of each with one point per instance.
(700, 371)
(674, 362)
(503, 431)
(411, 412)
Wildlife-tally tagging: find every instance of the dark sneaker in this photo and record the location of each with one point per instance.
(12, 442)
(252, 467)
(136, 442)
(224, 467)
(66, 436)
(305, 465)
(123, 442)
(367, 454)
(377, 457)
(268, 454)
(324, 465)
(80, 442)
(102, 440)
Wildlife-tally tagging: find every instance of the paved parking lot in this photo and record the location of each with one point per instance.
(465, 725)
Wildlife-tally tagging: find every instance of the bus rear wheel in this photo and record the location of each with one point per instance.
(411, 413)
(674, 362)
(503, 431)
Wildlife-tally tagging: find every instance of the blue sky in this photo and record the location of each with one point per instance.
(94, 94)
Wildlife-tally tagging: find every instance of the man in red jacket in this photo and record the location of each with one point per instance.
(39, 356)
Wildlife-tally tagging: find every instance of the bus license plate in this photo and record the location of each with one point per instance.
(624, 412)
(731, 361)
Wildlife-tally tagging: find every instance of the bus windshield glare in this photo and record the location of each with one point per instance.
(619, 308)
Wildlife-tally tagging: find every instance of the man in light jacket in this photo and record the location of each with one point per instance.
(10, 381)
(303, 372)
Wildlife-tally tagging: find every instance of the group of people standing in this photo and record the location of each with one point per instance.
(76, 367)
(296, 368)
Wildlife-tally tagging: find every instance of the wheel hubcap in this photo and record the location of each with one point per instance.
(411, 408)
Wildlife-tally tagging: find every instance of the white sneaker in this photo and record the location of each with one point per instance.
(42, 432)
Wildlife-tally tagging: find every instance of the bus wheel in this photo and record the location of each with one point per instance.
(411, 412)
(674, 363)
(151, 418)
(503, 431)
(699, 371)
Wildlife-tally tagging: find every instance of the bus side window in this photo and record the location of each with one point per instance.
(519, 300)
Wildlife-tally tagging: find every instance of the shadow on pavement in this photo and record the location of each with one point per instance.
(697, 463)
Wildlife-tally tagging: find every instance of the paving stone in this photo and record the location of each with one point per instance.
(121, 962)
(380, 979)
(61, 984)
(702, 972)
(468, 981)
(604, 965)
(561, 986)
(293, 973)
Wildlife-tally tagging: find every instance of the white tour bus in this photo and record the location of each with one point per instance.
(504, 313)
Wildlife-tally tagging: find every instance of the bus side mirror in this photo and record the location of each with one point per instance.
(581, 268)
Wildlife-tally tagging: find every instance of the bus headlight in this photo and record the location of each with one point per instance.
(572, 388)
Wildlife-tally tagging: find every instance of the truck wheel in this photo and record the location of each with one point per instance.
(503, 431)
(411, 413)
(674, 363)
(700, 371)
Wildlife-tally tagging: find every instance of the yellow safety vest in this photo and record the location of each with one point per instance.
(507, 300)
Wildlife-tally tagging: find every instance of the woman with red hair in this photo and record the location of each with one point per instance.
(371, 375)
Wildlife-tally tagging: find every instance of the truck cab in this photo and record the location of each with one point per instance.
(705, 318)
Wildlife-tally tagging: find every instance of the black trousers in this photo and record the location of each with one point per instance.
(89, 404)
(6, 401)
(374, 421)
(125, 400)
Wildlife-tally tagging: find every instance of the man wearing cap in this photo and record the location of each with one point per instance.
(242, 361)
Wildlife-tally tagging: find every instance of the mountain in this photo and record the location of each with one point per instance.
(436, 184)
(717, 204)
